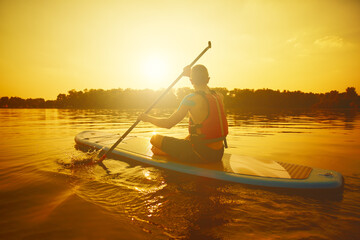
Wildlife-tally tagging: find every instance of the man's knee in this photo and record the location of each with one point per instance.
(156, 140)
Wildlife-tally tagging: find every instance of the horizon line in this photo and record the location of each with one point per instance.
(161, 89)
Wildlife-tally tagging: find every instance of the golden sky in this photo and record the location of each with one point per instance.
(50, 47)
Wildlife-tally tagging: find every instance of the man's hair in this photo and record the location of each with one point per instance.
(199, 74)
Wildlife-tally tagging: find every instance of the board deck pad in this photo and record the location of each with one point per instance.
(296, 171)
(235, 168)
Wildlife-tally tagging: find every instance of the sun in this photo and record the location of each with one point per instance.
(155, 69)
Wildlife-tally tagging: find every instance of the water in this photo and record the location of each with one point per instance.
(40, 199)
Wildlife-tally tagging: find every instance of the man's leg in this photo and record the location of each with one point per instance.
(179, 149)
(156, 141)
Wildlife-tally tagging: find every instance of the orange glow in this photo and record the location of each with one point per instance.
(51, 47)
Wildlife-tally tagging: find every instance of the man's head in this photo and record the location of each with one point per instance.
(199, 75)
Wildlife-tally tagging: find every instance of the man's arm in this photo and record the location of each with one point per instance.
(169, 122)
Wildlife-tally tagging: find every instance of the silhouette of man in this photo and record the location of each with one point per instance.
(208, 126)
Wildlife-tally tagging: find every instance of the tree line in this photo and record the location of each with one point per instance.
(236, 98)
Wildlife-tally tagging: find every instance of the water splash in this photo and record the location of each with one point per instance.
(82, 159)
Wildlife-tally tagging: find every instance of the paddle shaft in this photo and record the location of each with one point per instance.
(151, 106)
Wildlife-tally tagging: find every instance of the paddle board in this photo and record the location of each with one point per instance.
(232, 168)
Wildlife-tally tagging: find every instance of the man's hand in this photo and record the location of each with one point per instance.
(187, 71)
(143, 117)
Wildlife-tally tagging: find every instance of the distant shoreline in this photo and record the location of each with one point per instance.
(235, 99)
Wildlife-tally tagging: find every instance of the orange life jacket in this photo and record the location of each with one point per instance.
(215, 127)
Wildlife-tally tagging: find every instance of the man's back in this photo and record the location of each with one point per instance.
(200, 110)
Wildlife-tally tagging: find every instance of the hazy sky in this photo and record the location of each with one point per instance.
(50, 47)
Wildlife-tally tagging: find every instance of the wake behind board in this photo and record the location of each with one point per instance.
(233, 168)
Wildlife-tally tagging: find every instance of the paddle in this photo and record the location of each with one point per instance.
(151, 106)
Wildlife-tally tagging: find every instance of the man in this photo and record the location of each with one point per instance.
(207, 126)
